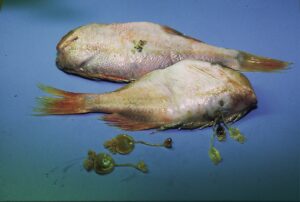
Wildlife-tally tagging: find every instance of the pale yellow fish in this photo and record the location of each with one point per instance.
(188, 94)
(127, 51)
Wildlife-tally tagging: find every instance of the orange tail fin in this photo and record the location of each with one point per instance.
(250, 62)
(65, 103)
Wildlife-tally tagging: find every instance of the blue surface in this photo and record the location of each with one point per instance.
(266, 167)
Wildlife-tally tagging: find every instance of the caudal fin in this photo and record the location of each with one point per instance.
(250, 62)
(64, 103)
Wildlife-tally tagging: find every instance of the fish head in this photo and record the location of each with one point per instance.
(72, 54)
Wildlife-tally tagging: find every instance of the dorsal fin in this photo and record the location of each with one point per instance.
(170, 30)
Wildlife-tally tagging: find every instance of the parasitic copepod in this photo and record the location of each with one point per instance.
(189, 94)
(103, 163)
(124, 52)
(219, 132)
(124, 144)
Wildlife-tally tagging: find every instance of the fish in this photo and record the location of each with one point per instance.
(123, 52)
(189, 94)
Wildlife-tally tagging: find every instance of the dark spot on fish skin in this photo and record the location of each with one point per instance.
(16, 95)
(221, 103)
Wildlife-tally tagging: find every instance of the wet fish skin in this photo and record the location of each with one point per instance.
(127, 51)
(188, 94)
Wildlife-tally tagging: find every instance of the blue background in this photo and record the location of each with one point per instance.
(266, 167)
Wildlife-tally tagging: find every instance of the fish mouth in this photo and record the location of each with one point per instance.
(72, 71)
(60, 64)
(75, 67)
(61, 61)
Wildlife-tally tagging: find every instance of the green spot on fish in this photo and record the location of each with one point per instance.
(138, 45)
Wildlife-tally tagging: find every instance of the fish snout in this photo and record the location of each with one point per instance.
(63, 61)
(66, 40)
(69, 58)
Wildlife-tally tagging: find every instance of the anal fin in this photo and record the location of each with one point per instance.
(127, 123)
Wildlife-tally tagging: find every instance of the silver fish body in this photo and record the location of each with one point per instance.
(188, 94)
(127, 51)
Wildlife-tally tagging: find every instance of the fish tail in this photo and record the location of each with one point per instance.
(64, 103)
(250, 62)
